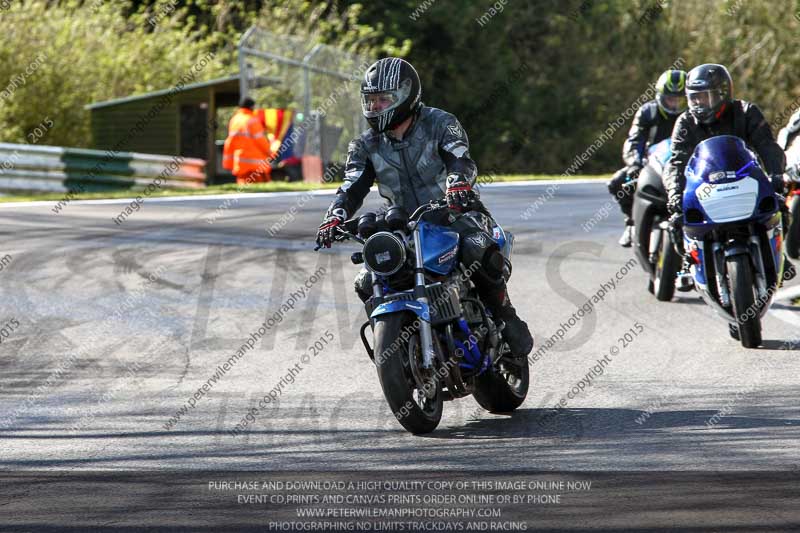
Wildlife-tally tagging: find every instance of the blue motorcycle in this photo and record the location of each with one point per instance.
(434, 340)
(733, 231)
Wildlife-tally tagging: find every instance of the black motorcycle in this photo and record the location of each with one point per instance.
(434, 340)
(652, 241)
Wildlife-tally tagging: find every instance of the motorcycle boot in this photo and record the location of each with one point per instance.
(683, 280)
(789, 271)
(626, 240)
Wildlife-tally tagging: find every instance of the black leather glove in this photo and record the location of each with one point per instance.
(633, 171)
(778, 184)
(459, 194)
(792, 174)
(631, 175)
(327, 230)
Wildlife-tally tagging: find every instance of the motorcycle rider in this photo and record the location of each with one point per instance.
(713, 111)
(652, 124)
(418, 154)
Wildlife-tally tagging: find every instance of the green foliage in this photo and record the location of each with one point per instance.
(534, 85)
(91, 52)
(231, 188)
(95, 50)
(588, 61)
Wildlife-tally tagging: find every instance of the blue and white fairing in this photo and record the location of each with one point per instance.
(726, 186)
(725, 183)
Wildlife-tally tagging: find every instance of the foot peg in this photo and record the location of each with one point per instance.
(684, 282)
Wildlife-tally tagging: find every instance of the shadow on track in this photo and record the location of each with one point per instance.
(574, 424)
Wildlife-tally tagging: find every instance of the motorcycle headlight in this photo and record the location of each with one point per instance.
(384, 253)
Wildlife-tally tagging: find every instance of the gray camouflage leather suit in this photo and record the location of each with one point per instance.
(413, 172)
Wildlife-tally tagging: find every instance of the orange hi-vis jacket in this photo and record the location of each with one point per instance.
(246, 148)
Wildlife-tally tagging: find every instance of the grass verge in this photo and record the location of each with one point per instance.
(228, 188)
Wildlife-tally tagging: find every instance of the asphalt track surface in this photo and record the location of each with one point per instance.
(111, 329)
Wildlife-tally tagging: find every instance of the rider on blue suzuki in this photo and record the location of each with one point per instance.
(418, 154)
(713, 111)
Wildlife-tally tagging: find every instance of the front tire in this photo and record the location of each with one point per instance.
(666, 270)
(417, 406)
(740, 275)
(503, 386)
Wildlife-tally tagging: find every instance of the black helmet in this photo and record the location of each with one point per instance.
(708, 88)
(671, 92)
(390, 93)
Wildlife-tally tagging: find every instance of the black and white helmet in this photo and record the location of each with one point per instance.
(390, 93)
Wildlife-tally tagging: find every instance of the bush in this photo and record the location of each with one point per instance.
(62, 56)
(84, 53)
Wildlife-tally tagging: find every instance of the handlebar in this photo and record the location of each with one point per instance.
(342, 235)
(347, 235)
(427, 208)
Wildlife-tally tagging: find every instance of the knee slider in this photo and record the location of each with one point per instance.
(493, 263)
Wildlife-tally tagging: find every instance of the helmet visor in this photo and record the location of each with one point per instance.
(674, 105)
(703, 101)
(377, 103)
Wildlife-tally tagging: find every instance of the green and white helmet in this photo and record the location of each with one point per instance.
(670, 93)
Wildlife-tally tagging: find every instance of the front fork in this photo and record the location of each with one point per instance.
(425, 332)
(757, 261)
(719, 271)
(420, 295)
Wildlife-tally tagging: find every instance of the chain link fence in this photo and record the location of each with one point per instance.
(319, 82)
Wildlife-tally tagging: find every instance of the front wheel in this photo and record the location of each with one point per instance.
(414, 394)
(745, 311)
(793, 234)
(666, 269)
(504, 385)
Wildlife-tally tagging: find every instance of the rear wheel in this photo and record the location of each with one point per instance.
(504, 386)
(666, 269)
(793, 234)
(746, 313)
(413, 393)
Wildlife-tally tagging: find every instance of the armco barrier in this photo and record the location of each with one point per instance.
(25, 167)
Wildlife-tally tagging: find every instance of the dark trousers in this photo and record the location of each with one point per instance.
(623, 195)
